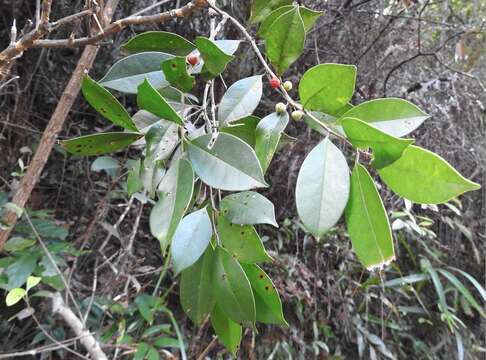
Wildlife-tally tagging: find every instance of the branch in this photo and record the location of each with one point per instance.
(91, 345)
(33, 39)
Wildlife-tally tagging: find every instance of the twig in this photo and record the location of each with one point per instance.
(208, 348)
(87, 340)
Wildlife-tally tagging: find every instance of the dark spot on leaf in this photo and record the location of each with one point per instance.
(174, 66)
(242, 233)
(245, 203)
(267, 287)
(261, 276)
(103, 110)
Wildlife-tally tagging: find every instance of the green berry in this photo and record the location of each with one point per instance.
(297, 115)
(287, 85)
(280, 108)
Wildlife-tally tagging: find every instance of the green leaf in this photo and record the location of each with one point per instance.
(128, 73)
(328, 87)
(149, 98)
(243, 129)
(270, 19)
(17, 244)
(215, 59)
(107, 164)
(14, 296)
(248, 208)
(20, 270)
(152, 354)
(106, 104)
(167, 342)
(473, 281)
(32, 281)
(267, 300)
(230, 164)
(267, 135)
(240, 100)
(309, 17)
(134, 183)
(260, 9)
(175, 71)
(396, 117)
(463, 290)
(367, 222)
(142, 350)
(242, 242)
(175, 192)
(386, 148)
(284, 40)
(190, 239)
(233, 290)
(228, 332)
(425, 178)
(159, 41)
(196, 288)
(322, 188)
(98, 144)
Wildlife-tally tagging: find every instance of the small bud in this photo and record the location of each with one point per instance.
(274, 83)
(297, 115)
(280, 108)
(287, 85)
(193, 59)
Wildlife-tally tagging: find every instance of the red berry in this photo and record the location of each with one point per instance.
(193, 59)
(274, 83)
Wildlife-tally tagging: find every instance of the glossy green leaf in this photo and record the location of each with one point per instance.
(229, 47)
(327, 87)
(260, 9)
(230, 164)
(425, 178)
(14, 296)
(175, 192)
(106, 104)
(228, 332)
(161, 140)
(20, 270)
(149, 98)
(397, 117)
(17, 244)
(128, 73)
(191, 239)
(270, 19)
(159, 41)
(243, 129)
(215, 59)
(322, 188)
(98, 144)
(386, 148)
(367, 222)
(233, 290)
(240, 100)
(196, 288)
(284, 40)
(248, 208)
(242, 242)
(309, 17)
(175, 71)
(267, 300)
(268, 133)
